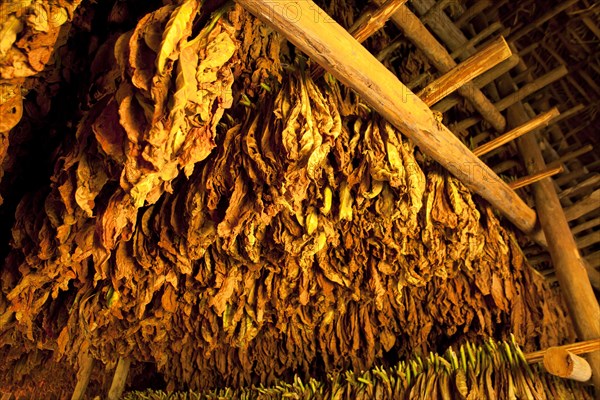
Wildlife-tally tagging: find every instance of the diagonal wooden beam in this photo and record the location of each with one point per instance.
(477, 64)
(331, 46)
(418, 34)
(529, 126)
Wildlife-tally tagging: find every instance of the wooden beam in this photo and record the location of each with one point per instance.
(477, 38)
(590, 183)
(478, 63)
(575, 348)
(532, 87)
(568, 263)
(119, 379)
(418, 34)
(593, 259)
(333, 47)
(541, 20)
(83, 376)
(532, 124)
(480, 82)
(472, 12)
(592, 223)
(533, 178)
(584, 206)
(442, 26)
(588, 240)
(571, 155)
(571, 176)
(369, 23)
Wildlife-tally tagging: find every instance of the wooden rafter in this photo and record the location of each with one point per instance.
(333, 48)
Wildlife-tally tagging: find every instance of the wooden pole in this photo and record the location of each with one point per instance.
(532, 87)
(572, 155)
(569, 266)
(83, 376)
(590, 183)
(533, 178)
(564, 364)
(584, 206)
(119, 379)
(443, 26)
(478, 63)
(472, 12)
(369, 23)
(584, 347)
(477, 38)
(333, 48)
(417, 33)
(541, 20)
(480, 82)
(532, 124)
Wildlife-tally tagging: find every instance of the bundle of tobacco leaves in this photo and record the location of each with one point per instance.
(222, 216)
(493, 370)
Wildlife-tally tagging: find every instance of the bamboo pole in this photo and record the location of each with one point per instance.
(478, 63)
(568, 263)
(532, 124)
(120, 379)
(417, 33)
(533, 178)
(332, 47)
(578, 348)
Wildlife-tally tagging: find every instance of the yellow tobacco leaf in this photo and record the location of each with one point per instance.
(8, 33)
(177, 28)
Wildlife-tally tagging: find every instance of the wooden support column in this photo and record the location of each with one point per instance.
(417, 33)
(478, 63)
(119, 379)
(333, 47)
(568, 263)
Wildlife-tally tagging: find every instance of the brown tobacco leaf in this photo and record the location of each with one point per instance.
(302, 235)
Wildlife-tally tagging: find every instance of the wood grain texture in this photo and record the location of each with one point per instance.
(418, 34)
(477, 64)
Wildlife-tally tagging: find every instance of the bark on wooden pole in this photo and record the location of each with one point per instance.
(83, 376)
(477, 64)
(119, 379)
(532, 124)
(568, 263)
(533, 178)
(418, 34)
(333, 47)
